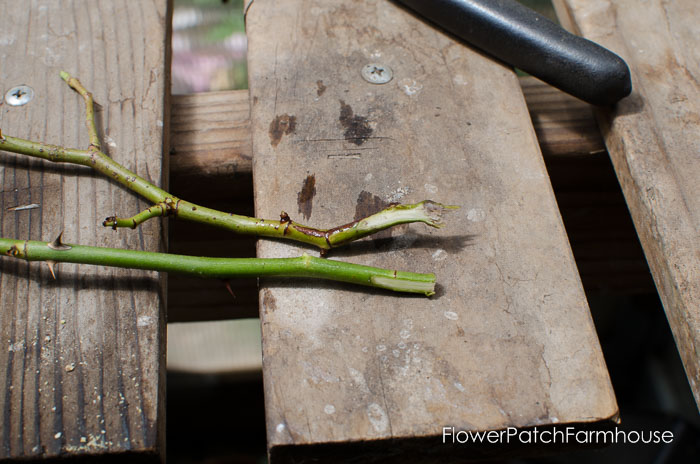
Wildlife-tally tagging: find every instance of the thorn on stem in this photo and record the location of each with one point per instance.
(51, 265)
(58, 245)
(227, 284)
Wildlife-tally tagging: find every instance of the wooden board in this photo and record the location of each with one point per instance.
(211, 134)
(211, 130)
(653, 137)
(564, 124)
(508, 340)
(82, 356)
(211, 162)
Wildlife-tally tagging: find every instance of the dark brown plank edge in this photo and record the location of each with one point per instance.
(84, 371)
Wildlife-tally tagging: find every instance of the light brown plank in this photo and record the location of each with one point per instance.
(508, 341)
(653, 137)
(211, 131)
(211, 165)
(82, 356)
(211, 134)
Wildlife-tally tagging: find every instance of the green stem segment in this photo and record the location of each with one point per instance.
(223, 268)
(166, 204)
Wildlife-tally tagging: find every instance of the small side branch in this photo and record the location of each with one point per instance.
(221, 268)
(89, 109)
(163, 208)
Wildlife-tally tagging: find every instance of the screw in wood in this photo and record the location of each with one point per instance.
(377, 73)
(19, 95)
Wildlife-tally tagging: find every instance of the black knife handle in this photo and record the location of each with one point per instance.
(527, 40)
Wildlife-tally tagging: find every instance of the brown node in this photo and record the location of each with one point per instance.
(110, 221)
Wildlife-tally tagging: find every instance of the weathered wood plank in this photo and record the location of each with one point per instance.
(211, 134)
(509, 340)
(82, 356)
(211, 165)
(653, 137)
(211, 131)
(564, 125)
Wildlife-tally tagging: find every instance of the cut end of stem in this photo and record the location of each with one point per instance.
(64, 75)
(428, 212)
(427, 288)
(433, 212)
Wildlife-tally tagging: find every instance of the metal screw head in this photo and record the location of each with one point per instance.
(20, 95)
(377, 73)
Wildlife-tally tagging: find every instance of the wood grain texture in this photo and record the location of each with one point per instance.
(211, 134)
(508, 340)
(82, 356)
(211, 131)
(564, 125)
(211, 163)
(653, 137)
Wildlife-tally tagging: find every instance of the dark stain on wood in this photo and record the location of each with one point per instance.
(320, 88)
(269, 302)
(306, 196)
(357, 128)
(367, 205)
(283, 124)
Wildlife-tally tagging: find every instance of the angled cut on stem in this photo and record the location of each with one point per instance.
(166, 204)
